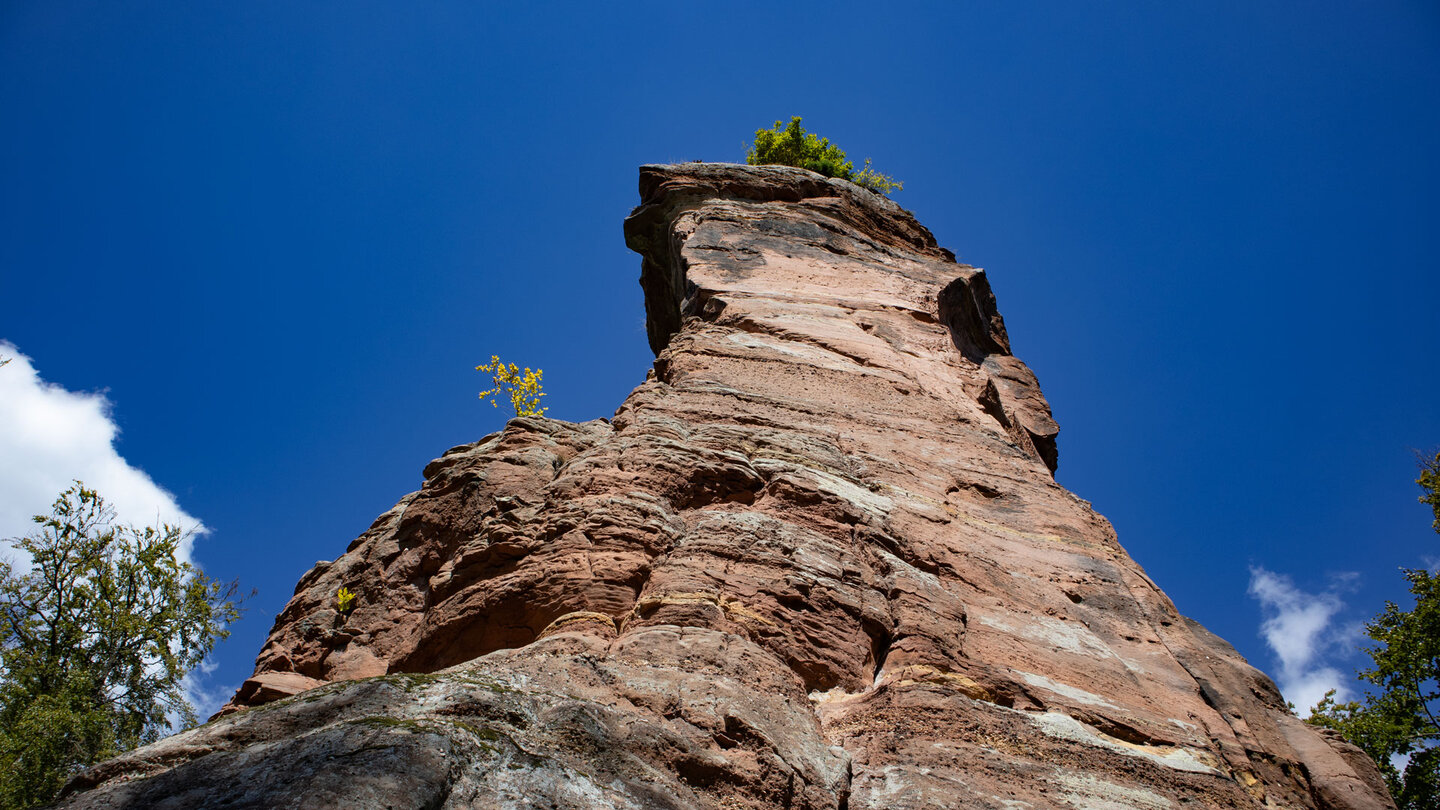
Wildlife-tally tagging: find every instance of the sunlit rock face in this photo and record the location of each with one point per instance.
(818, 559)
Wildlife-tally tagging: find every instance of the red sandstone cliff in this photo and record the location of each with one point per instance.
(817, 560)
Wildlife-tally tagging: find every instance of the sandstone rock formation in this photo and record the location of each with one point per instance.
(818, 559)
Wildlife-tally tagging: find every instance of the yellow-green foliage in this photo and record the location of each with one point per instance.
(523, 388)
(875, 181)
(345, 599)
(791, 145)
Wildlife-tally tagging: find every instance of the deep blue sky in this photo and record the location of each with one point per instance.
(280, 236)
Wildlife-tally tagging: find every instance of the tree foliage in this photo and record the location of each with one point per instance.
(1397, 718)
(95, 640)
(1429, 481)
(523, 388)
(790, 145)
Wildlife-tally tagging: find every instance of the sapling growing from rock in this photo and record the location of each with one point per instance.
(523, 388)
(791, 145)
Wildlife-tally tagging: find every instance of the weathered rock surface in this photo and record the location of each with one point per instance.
(817, 560)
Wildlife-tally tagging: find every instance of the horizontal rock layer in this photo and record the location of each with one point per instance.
(817, 560)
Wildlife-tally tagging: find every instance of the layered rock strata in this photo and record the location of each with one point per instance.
(818, 559)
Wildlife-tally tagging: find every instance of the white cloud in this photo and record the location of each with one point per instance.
(205, 698)
(50, 437)
(1301, 629)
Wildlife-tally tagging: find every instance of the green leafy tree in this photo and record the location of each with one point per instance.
(1397, 718)
(95, 640)
(790, 145)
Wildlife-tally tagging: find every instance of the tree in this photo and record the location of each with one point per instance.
(522, 388)
(95, 640)
(1398, 716)
(791, 145)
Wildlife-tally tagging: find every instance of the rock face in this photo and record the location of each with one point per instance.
(817, 560)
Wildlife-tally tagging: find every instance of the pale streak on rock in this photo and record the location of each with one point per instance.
(1098, 794)
(1065, 690)
(1065, 727)
(817, 560)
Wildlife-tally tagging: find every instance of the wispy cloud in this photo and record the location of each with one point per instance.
(206, 698)
(1302, 630)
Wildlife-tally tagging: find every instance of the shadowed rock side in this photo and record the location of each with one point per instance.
(817, 560)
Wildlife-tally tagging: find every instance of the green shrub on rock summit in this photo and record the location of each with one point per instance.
(791, 145)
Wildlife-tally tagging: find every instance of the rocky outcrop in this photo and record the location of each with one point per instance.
(818, 559)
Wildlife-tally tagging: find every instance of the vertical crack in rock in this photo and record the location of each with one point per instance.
(818, 559)
(967, 308)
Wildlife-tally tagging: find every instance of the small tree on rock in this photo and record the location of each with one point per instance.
(791, 145)
(523, 388)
